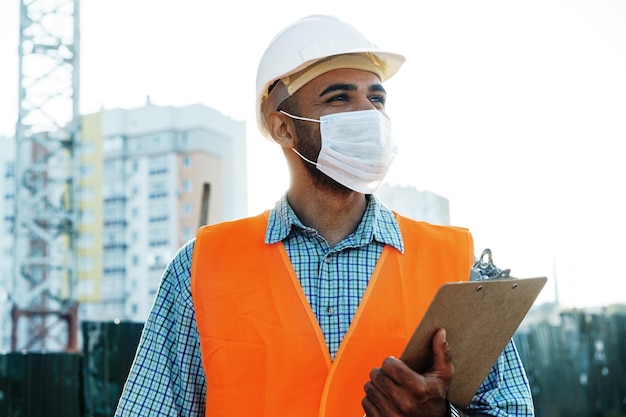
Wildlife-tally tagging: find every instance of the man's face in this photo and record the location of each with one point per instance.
(337, 91)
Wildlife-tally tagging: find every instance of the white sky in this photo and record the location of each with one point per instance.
(513, 110)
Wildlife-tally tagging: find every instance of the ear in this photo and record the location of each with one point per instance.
(282, 129)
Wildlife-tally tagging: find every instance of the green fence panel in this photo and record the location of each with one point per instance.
(40, 384)
(578, 367)
(108, 350)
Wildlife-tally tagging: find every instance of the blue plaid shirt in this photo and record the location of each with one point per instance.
(167, 378)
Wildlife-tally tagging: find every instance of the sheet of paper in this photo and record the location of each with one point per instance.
(480, 318)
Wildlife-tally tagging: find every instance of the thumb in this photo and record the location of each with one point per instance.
(442, 357)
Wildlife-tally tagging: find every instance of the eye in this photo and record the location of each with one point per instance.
(378, 99)
(338, 97)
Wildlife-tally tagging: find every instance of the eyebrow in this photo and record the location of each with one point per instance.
(350, 87)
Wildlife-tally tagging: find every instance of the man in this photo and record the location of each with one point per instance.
(299, 311)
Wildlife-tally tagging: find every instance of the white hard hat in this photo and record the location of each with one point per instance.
(308, 48)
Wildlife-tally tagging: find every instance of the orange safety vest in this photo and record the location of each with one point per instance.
(263, 351)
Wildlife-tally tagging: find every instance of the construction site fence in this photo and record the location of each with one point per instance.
(84, 384)
(576, 367)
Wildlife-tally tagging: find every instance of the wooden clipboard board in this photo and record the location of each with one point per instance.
(480, 317)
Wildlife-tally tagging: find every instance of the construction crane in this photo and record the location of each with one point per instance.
(44, 313)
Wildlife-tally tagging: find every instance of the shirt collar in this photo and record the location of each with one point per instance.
(378, 223)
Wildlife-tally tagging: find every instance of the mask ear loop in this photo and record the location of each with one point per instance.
(305, 158)
(306, 119)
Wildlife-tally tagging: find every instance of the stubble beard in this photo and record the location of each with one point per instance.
(309, 145)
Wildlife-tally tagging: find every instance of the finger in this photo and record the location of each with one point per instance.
(399, 372)
(373, 400)
(379, 387)
(369, 408)
(442, 357)
(403, 387)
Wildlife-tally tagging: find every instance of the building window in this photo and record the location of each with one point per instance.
(186, 209)
(158, 237)
(133, 144)
(187, 161)
(85, 240)
(158, 189)
(157, 213)
(86, 170)
(86, 216)
(85, 286)
(187, 234)
(85, 263)
(113, 144)
(113, 168)
(9, 170)
(158, 165)
(8, 224)
(86, 193)
(155, 243)
(87, 148)
(186, 185)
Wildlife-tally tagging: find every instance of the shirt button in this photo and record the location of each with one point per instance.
(330, 311)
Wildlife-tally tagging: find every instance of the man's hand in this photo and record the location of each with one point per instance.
(395, 390)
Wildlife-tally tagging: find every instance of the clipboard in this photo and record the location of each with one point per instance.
(480, 317)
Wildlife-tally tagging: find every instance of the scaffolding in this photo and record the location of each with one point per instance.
(44, 313)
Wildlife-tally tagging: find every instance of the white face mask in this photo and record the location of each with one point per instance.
(357, 148)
